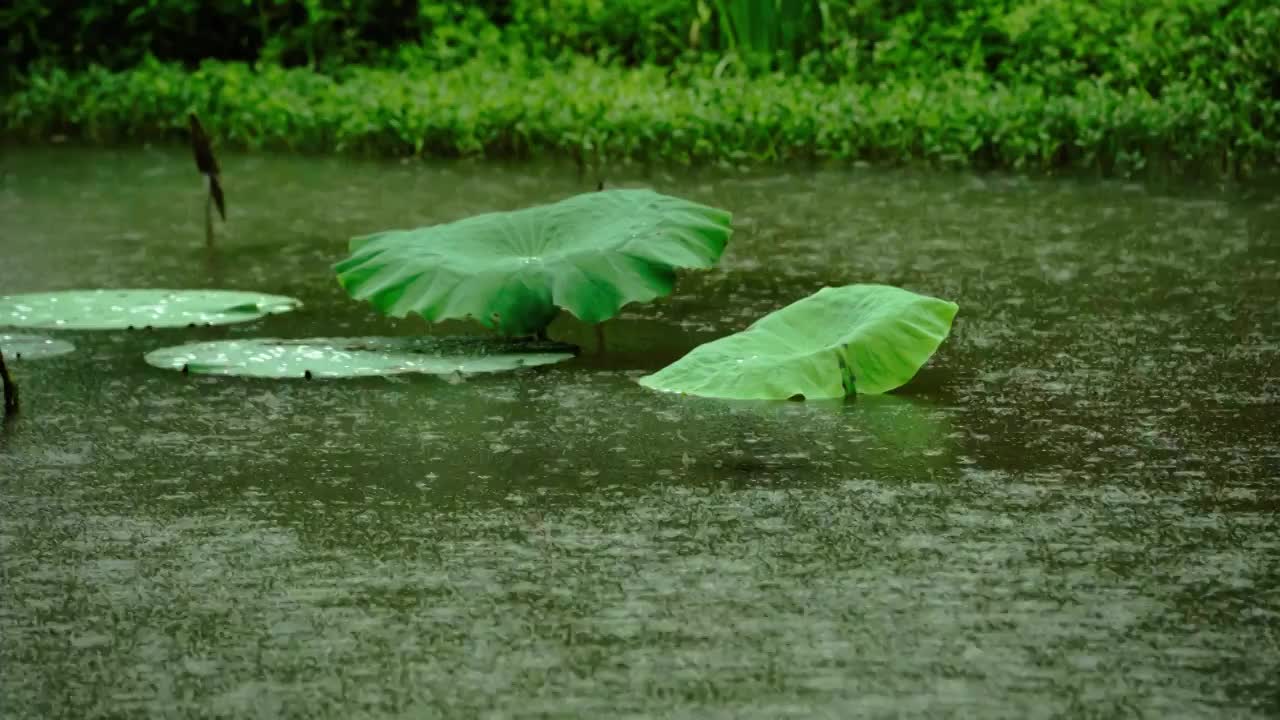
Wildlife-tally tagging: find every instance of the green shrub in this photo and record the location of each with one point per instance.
(1106, 84)
(582, 109)
(320, 33)
(631, 32)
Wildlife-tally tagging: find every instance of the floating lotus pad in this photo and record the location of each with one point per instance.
(590, 254)
(32, 347)
(867, 339)
(122, 309)
(357, 356)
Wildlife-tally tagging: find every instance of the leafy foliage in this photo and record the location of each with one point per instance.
(313, 32)
(489, 108)
(590, 254)
(765, 33)
(1113, 86)
(624, 31)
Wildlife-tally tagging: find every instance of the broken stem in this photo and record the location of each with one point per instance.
(10, 389)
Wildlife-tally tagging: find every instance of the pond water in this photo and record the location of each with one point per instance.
(1072, 511)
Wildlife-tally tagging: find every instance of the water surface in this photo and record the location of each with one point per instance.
(1072, 511)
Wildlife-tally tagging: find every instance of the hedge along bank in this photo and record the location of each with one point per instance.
(1109, 85)
(596, 113)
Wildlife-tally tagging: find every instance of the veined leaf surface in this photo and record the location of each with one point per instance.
(867, 339)
(590, 254)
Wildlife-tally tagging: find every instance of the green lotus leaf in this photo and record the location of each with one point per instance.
(126, 309)
(357, 356)
(32, 347)
(590, 254)
(867, 339)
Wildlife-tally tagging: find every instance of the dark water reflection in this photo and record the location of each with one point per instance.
(1072, 512)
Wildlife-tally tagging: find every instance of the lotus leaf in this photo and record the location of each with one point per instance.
(121, 309)
(32, 347)
(590, 254)
(858, 338)
(357, 356)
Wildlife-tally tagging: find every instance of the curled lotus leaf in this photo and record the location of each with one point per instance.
(867, 339)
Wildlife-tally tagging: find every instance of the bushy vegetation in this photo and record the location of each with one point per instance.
(1112, 85)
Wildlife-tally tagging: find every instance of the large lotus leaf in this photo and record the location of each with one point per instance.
(859, 338)
(32, 347)
(357, 356)
(120, 309)
(590, 254)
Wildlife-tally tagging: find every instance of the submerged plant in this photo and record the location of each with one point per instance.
(513, 272)
(839, 341)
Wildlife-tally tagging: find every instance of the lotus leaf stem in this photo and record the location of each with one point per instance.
(10, 389)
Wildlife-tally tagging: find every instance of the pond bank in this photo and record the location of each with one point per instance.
(601, 114)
